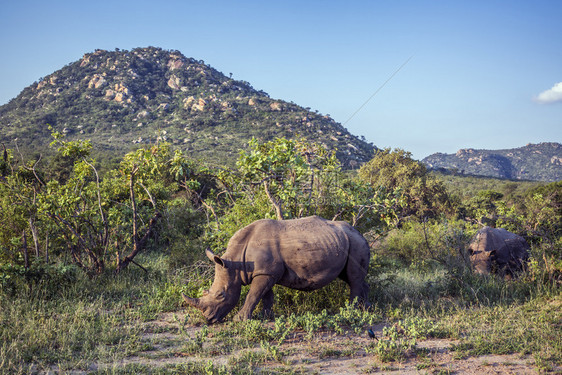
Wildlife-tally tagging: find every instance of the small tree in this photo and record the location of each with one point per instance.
(538, 216)
(111, 219)
(293, 174)
(147, 174)
(286, 179)
(19, 187)
(76, 209)
(424, 196)
(483, 207)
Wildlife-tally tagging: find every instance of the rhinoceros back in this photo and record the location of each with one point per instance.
(314, 251)
(305, 254)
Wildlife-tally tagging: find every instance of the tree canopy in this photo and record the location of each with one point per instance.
(424, 195)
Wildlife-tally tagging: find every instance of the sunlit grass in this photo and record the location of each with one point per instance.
(93, 324)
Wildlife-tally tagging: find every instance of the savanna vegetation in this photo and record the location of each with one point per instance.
(90, 254)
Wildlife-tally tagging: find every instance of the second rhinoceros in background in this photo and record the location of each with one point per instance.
(495, 250)
(304, 254)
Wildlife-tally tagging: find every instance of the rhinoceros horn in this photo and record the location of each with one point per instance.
(216, 259)
(194, 302)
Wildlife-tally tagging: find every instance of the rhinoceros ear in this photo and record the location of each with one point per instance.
(216, 259)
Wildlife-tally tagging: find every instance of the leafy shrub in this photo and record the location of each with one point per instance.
(424, 195)
(42, 280)
(179, 234)
(330, 298)
(399, 340)
(420, 243)
(244, 211)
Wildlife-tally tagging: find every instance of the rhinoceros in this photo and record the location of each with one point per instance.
(495, 250)
(304, 254)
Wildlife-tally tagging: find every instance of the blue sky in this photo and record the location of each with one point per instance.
(482, 74)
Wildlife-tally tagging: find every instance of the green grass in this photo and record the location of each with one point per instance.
(92, 324)
(70, 334)
(75, 326)
(533, 327)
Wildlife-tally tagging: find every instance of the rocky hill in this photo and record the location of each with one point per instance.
(537, 162)
(122, 99)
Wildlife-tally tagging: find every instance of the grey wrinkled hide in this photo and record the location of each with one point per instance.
(304, 254)
(495, 250)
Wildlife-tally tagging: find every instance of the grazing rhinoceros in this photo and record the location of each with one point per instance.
(304, 254)
(495, 250)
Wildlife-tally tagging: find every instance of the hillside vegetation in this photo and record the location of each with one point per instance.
(122, 100)
(536, 162)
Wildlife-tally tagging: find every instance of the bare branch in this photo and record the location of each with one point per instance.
(150, 197)
(274, 202)
(105, 240)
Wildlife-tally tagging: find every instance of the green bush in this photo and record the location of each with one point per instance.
(422, 244)
(42, 280)
(179, 234)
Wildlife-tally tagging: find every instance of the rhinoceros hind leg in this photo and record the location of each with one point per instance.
(358, 288)
(356, 270)
(259, 289)
(267, 302)
(361, 292)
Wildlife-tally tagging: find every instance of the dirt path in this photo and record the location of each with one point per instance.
(168, 342)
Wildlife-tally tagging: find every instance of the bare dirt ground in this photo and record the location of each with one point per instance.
(325, 353)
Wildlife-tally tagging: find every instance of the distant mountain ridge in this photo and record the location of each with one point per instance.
(122, 99)
(537, 162)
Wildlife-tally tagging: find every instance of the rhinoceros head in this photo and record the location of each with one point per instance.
(482, 261)
(223, 295)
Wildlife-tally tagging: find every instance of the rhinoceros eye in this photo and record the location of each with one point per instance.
(220, 295)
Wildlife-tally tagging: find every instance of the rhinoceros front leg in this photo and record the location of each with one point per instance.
(260, 288)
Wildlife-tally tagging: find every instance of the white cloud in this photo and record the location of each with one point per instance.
(552, 95)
